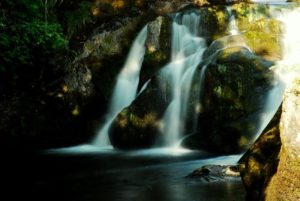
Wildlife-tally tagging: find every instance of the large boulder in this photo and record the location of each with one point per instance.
(270, 168)
(259, 163)
(137, 126)
(236, 82)
(285, 183)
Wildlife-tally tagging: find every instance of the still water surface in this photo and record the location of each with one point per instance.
(87, 174)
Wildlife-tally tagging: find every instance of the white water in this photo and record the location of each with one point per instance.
(186, 54)
(286, 69)
(270, 1)
(126, 86)
(232, 27)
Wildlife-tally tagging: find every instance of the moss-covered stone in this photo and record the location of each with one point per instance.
(213, 22)
(235, 83)
(137, 126)
(262, 34)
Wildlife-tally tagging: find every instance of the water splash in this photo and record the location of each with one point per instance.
(126, 86)
(186, 54)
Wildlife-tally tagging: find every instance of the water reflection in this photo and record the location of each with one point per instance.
(125, 176)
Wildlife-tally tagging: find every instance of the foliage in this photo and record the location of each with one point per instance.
(25, 29)
(77, 19)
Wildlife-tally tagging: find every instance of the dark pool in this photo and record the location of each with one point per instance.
(88, 174)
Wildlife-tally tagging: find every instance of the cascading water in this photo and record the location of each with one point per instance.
(177, 76)
(232, 27)
(186, 54)
(286, 69)
(291, 41)
(126, 86)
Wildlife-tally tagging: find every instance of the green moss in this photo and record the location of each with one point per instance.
(264, 38)
(263, 35)
(215, 19)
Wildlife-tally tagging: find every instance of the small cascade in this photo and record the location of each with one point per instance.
(186, 54)
(126, 86)
(232, 27)
(291, 39)
(286, 69)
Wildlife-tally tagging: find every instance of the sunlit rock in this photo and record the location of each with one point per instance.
(215, 19)
(270, 168)
(285, 183)
(158, 46)
(235, 87)
(260, 161)
(262, 33)
(137, 126)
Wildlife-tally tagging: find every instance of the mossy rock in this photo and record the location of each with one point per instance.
(158, 47)
(137, 126)
(235, 84)
(262, 34)
(213, 22)
(224, 42)
(264, 38)
(260, 161)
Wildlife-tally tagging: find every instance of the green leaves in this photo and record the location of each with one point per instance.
(76, 20)
(24, 32)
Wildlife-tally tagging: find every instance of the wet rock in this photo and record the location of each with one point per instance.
(215, 19)
(158, 47)
(262, 34)
(108, 43)
(215, 172)
(137, 126)
(285, 183)
(271, 165)
(235, 84)
(223, 43)
(260, 161)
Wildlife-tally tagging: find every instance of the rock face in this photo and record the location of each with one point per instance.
(271, 170)
(158, 46)
(285, 184)
(260, 162)
(235, 83)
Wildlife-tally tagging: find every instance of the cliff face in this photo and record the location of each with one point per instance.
(270, 169)
(285, 184)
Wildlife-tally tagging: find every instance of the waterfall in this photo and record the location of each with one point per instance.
(186, 54)
(176, 78)
(286, 69)
(232, 27)
(291, 39)
(126, 86)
